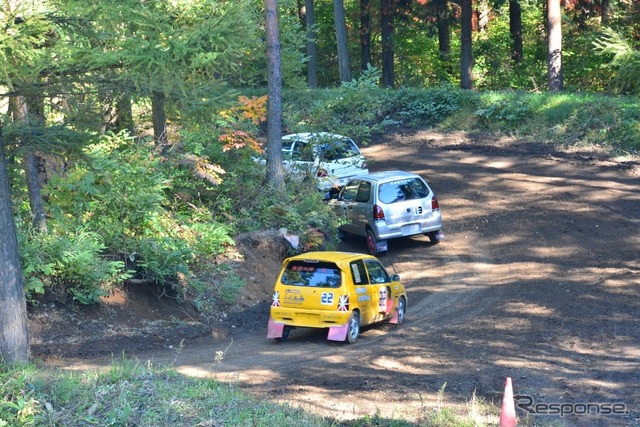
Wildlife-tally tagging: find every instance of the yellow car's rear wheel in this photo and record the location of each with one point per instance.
(402, 310)
(354, 327)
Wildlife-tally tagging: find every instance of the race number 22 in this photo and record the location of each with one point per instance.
(326, 298)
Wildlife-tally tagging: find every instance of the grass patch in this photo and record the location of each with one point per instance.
(582, 119)
(131, 393)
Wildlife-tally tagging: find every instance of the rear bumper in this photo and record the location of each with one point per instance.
(384, 231)
(308, 318)
(336, 333)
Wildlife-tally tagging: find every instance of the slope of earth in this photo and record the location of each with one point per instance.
(537, 280)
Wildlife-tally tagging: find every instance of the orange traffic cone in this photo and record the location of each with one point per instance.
(508, 413)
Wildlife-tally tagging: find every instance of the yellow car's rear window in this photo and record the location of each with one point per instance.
(312, 273)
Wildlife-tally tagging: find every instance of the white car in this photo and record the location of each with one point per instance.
(388, 205)
(330, 158)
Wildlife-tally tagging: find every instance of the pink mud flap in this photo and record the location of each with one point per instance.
(338, 333)
(274, 329)
(394, 318)
(389, 304)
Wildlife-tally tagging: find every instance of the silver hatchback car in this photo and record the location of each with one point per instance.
(385, 205)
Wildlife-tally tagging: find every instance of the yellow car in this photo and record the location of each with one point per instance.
(341, 291)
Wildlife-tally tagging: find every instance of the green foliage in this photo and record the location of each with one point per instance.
(425, 107)
(19, 404)
(360, 108)
(623, 59)
(171, 245)
(582, 119)
(567, 118)
(353, 109)
(120, 197)
(168, 46)
(301, 210)
(246, 35)
(494, 69)
(25, 43)
(418, 60)
(115, 193)
(68, 265)
(504, 111)
(216, 289)
(132, 394)
(582, 67)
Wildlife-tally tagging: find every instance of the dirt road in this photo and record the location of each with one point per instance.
(538, 280)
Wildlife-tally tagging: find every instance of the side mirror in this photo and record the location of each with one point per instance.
(395, 278)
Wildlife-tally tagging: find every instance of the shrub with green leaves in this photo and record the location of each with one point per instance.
(361, 108)
(503, 113)
(122, 195)
(300, 209)
(68, 265)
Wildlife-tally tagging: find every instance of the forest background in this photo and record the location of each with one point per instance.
(129, 128)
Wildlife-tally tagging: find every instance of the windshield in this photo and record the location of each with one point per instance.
(339, 149)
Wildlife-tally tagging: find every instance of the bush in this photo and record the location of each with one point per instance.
(301, 210)
(68, 265)
(121, 198)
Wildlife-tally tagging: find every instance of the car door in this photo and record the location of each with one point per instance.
(345, 204)
(302, 159)
(378, 289)
(361, 209)
(362, 291)
(354, 206)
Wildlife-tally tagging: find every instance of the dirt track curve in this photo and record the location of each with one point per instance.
(538, 280)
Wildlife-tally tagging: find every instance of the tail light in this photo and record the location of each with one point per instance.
(322, 173)
(434, 203)
(378, 213)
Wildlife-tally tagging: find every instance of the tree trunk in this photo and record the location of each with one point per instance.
(515, 28)
(14, 332)
(275, 170)
(124, 114)
(341, 40)
(444, 41)
(604, 12)
(442, 22)
(365, 34)
(33, 189)
(159, 120)
(554, 52)
(28, 112)
(387, 12)
(466, 54)
(312, 53)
